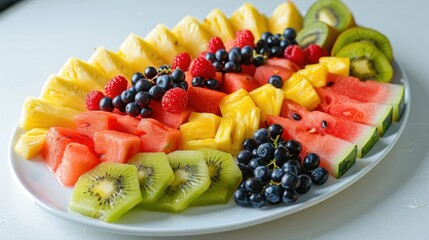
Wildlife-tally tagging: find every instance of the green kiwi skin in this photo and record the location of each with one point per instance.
(343, 15)
(362, 34)
(326, 35)
(366, 51)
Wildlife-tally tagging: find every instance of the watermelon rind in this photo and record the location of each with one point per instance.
(345, 162)
(398, 101)
(387, 118)
(371, 140)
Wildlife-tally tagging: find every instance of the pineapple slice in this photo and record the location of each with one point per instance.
(217, 24)
(84, 74)
(111, 63)
(317, 74)
(269, 99)
(192, 34)
(285, 15)
(208, 118)
(238, 137)
(229, 103)
(223, 137)
(138, 53)
(199, 143)
(30, 143)
(248, 17)
(61, 91)
(165, 43)
(337, 65)
(297, 88)
(251, 119)
(37, 113)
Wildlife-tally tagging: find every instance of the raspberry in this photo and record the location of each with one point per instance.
(313, 52)
(93, 99)
(182, 61)
(201, 67)
(295, 54)
(244, 38)
(215, 44)
(175, 100)
(116, 86)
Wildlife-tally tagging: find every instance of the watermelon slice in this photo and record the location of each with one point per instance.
(157, 136)
(89, 123)
(264, 72)
(362, 135)
(204, 99)
(235, 81)
(369, 91)
(374, 114)
(336, 155)
(115, 146)
(283, 62)
(171, 119)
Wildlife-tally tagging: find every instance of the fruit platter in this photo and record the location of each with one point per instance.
(214, 124)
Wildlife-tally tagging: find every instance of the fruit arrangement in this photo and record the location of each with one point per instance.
(249, 107)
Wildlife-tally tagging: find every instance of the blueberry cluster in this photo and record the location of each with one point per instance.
(147, 86)
(273, 171)
(273, 45)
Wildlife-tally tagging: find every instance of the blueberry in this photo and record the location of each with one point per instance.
(266, 151)
(241, 197)
(143, 85)
(290, 180)
(289, 196)
(165, 81)
(289, 33)
(273, 41)
(183, 85)
(273, 194)
(294, 147)
(292, 165)
(164, 69)
(146, 112)
(235, 55)
(244, 156)
(284, 44)
(246, 52)
(275, 130)
(262, 135)
(256, 162)
(281, 155)
(319, 176)
(136, 76)
(311, 161)
(156, 92)
(260, 44)
(276, 51)
(213, 84)
(221, 55)
(210, 57)
(266, 35)
(244, 170)
(249, 144)
(150, 72)
(106, 104)
(218, 66)
(132, 109)
(178, 76)
(276, 81)
(127, 96)
(118, 104)
(265, 52)
(263, 173)
(277, 174)
(230, 67)
(257, 200)
(142, 99)
(198, 82)
(305, 184)
(253, 185)
(258, 61)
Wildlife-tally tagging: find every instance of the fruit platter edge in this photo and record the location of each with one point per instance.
(44, 190)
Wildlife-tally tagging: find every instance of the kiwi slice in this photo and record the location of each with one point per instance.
(191, 179)
(362, 34)
(107, 191)
(317, 33)
(155, 174)
(367, 62)
(332, 12)
(225, 177)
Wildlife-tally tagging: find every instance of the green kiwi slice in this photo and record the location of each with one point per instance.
(317, 33)
(155, 174)
(332, 12)
(362, 34)
(225, 177)
(367, 62)
(107, 191)
(191, 179)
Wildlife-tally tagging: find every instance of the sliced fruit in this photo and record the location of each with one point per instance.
(114, 146)
(195, 144)
(111, 64)
(107, 191)
(205, 100)
(200, 126)
(317, 33)
(235, 81)
(269, 99)
(217, 24)
(337, 65)
(191, 179)
(225, 177)
(157, 136)
(332, 12)
(192, 34)
(248, 17)
(285, 15)
(298, 89)
(230, 103)
(128, 124)
(155, 174)
(283, 62)
(88, 123)
(30, 143)
(264, 72)
(173, 120)
(316, 74)
(238, 136)
(367, 62)
(223, 137)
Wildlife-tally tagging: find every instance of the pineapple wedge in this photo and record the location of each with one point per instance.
(217, 24)
(317, 74)
(192, 34)
(84, 74)
(269, 99)
(208, 118)
(37, 113)
(248, 17)
(230, 103)
(165, 43)
(198, 143)
(285, 15)
(223, 137)
(238, 136)
(62, 91)
(138, 53)
(111, 64)
(337, 65)
(30, 143)
(298, 89)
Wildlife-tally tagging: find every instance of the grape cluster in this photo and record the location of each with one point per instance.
(273, 45)
(273, 171)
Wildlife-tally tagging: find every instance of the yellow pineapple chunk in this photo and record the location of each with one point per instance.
(37, 113)
(30, 143)
(138, 53)
(198, 143)
(165, 43)
(111, 64)
(238, 137)
(223, 137)
(208, 118)
(192, 34)
(248, 17)
(315, 73)
(285, 15)
(337, 65)
(269, 99)
(298, 89)
(238, 98)
(251, 120)
(84, 74)
(217, 24)
(61, 91)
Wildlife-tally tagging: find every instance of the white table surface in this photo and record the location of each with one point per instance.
(391, 202)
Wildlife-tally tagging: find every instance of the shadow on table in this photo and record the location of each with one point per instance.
(4, 4)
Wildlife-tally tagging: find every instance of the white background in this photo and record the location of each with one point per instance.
(391, 202)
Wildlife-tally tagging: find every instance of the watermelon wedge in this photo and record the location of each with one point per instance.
(336, 155)
(369, 91)
(362, 135)
(374, 114)
(235, 81)
(264, 72)
(204, 99)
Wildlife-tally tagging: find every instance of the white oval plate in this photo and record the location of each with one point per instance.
(40, 185)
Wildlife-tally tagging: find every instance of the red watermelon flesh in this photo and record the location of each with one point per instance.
(205, 100)
(369, 91)
(56, 142)
(157, 136)
(170, 119)
(91, 122)
(374, 114)
(77, 160)
(128, 124)
(115, 146)
(264, 72)
(283, 62)
(362, 135)
(336, 155)
(235, 81)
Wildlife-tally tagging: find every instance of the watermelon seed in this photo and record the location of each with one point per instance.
(296, 117)
(324, 124)
(328, 84)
